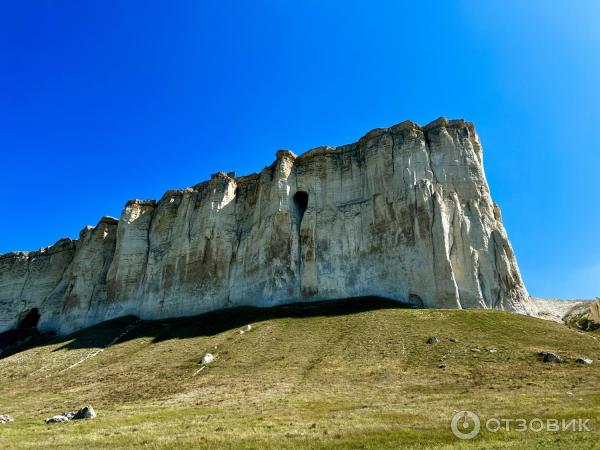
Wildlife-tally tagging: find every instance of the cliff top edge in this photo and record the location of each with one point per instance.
(219, 177)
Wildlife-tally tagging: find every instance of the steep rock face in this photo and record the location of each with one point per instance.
(405, 213)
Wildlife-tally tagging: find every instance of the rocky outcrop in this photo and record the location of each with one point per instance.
(405, 213)
(584, 315)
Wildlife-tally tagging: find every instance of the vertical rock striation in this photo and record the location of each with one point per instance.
(405, 213)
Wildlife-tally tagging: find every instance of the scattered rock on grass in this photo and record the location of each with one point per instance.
(586, 361)
(433, 340)
(57, 419)
(549, 357)
(87, 412)
(5, 418)
(453, 340)
(207, 359)
(475, 349)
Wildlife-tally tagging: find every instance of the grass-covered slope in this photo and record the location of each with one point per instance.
(346, 375)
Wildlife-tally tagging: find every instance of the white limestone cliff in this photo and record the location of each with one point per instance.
(405, 213)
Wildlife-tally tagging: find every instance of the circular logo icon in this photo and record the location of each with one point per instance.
(465, 425)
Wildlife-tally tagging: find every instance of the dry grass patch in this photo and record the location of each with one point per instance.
(348, 375)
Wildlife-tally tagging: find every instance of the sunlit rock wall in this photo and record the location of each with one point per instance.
(405, 213)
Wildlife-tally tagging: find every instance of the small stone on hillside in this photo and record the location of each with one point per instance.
(442, 366)
(584, 361)
(549, 357)
(433, 340)
(492, 350)
(5, 418)
(207, 359)
(87, 412)
(453, 340)
(57, 419)
(475, 349)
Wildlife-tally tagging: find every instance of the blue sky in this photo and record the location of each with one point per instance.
(105, 101)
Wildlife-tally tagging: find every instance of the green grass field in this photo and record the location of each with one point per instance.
(341, 375)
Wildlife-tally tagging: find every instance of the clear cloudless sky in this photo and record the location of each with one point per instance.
(105, 101)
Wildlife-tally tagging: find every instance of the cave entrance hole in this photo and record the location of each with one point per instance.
(301, 202)
(30, 319)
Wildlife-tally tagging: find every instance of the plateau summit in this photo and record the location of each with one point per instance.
(405, 214)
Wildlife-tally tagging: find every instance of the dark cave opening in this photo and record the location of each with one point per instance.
(30, 319)
(301, 202)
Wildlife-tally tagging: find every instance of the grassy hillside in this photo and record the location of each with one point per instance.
(344, 375)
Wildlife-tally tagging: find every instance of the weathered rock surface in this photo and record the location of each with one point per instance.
(5, 418)
(405, 213)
